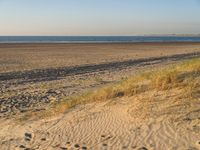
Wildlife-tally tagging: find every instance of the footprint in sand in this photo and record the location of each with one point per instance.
(22, 146)
(143, 148)
(124, 147)
(77, 146)
(63, 148)
(104, 144)
(68, 145)
(84, 148)
(25, 148)
(104, 137)
(43, 139)
(27, 136)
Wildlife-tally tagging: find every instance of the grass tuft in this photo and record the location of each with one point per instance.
(185, 75)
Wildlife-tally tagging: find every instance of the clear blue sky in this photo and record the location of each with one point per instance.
(99, 17)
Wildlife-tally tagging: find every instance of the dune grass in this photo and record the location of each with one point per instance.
(184, 75)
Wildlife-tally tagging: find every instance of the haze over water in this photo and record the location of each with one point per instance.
(99, 17)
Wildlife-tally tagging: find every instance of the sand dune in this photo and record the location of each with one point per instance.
(153, 121)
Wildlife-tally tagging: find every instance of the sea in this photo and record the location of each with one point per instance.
(96, 39)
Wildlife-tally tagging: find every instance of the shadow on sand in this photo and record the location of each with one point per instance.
(50, 74)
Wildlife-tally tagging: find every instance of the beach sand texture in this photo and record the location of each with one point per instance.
(33, 76)
(18, 57)
(161, 123)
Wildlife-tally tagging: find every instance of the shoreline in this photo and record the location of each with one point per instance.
(99, 42)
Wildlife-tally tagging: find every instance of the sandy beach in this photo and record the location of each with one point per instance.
(36, 76)
(19, 57)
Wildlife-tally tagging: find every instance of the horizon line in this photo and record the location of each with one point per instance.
(102, 35)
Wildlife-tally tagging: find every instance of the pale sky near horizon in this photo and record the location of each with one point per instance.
(99, 17)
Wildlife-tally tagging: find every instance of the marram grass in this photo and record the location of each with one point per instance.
(184, 75)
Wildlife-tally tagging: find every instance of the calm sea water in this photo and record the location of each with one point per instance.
(95, 39)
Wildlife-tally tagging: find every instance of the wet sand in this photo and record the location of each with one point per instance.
(19, 57)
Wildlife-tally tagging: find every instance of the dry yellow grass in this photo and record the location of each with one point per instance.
(184, 76)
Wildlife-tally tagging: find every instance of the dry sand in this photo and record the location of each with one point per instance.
(153, 120)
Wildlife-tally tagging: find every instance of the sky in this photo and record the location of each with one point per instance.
(99, 17)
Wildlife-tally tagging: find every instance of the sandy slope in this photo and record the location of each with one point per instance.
(153, 120)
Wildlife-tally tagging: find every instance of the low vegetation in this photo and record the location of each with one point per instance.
(184, 76)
